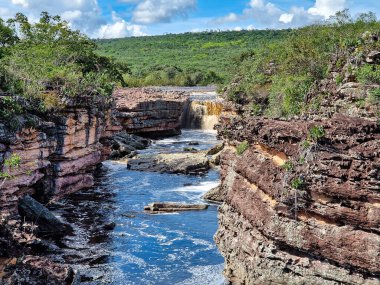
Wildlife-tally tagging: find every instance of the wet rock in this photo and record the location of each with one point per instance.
(109, 226)
(193, 143)
(185, 163)
(216, 149)
(33, 270)
(125, 144)
(215, 195)
(173, 207)
(190, 149)
(99, 259)
(36, 213)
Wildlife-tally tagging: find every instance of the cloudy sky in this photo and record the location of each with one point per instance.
(122, 18)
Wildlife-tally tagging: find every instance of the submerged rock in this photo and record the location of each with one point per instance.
(185, 163)
(47, 223)
(173, 207)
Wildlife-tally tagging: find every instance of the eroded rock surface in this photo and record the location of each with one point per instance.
(185, 163)
(150, 111)
(300, 210)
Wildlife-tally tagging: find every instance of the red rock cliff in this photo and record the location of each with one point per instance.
(57, 157)
(302, 205)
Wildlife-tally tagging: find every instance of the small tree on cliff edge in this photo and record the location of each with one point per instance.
(12, 162)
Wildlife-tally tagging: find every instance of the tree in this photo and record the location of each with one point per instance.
(50, 61)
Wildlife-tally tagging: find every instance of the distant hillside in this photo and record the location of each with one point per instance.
(185, 59)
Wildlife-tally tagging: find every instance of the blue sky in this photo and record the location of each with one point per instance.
(122, 18)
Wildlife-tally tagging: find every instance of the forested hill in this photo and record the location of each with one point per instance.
(185, 59)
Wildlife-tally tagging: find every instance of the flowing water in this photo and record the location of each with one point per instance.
(142, 248)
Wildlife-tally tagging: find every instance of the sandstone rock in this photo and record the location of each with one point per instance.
(324, 233)
(150, 111)
(373, 57)
(173, 207)
(35, 270)
(216, 149)
(48, 224)
(185, 163)
(215, 195)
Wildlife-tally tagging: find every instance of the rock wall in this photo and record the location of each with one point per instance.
(58, 157)
(151, 112)
(302, 206)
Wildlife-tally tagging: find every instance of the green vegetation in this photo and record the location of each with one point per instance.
(296, 183)
(46, 62)
(288, 166)
(278, 75)
(185, 59)
(316, 133)
(242, 147)
(368, 74)
(12, 162)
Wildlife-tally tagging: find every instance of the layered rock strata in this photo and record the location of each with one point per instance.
(302, 202)
(150, 112)
(58, 156)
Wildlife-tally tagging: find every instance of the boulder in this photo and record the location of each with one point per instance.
(184, 163)
(373, 57)
(216, 149)
(215, 195)
(33, 211)
(173, 207)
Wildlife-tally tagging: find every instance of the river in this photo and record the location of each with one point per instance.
(141, 248)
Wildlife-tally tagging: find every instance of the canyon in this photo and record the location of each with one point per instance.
(61, 154)
(300, 206)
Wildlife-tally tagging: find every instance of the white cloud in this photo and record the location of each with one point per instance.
(23, 3)
(286, 18)
(265, 14)
(119, 29)
(327, 8)
(161, 11)
(84, 15)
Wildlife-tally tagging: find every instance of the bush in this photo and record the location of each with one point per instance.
(242, 147)
(316, 133)
(368, 74)
(296, 183)
(50, 61)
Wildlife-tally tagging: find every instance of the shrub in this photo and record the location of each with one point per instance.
(339, 79)
(242, 147)
(296, 183)
(288, 166)
(12, 162)
(375, 95)
(50, 61)
(316, 133)
(368, 74)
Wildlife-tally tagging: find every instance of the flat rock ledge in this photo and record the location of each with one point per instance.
(174, 207)
(183, 163)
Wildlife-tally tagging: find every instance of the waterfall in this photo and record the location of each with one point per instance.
(201, 114)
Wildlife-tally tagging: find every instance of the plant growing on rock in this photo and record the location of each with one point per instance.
(296, 183)
(242, 147)
(316, 133)
(13, 161)
(288, 166)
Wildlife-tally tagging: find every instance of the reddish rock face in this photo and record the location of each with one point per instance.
(296, 212)
(150, 111)
(57, 158)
